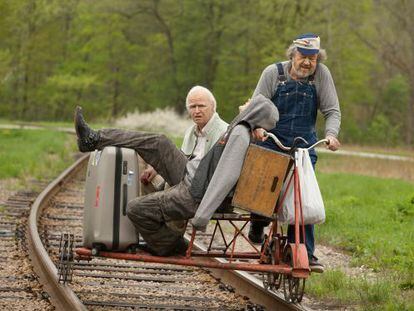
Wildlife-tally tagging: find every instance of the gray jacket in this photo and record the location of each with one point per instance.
(260, 113)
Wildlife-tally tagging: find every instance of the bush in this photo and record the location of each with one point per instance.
(381, 131)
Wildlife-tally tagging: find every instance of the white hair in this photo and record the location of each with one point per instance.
(292, 49)
(205, 91)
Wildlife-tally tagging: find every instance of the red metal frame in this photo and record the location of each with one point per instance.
(270, 259)
(86, 254)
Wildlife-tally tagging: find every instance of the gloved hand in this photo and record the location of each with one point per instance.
(198, 224)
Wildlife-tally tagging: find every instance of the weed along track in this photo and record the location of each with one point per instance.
(111, 284)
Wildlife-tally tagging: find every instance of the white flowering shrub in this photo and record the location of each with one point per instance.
(166, 121)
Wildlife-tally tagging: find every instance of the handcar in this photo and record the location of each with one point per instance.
(259, 191)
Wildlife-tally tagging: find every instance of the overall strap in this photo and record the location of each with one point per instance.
(281, 73)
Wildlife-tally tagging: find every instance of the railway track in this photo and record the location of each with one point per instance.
(108, 284)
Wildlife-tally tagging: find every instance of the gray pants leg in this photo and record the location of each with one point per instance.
(156, 149)
(150, 215)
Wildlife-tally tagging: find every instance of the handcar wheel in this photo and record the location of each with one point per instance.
(293, 287)
(271, 280)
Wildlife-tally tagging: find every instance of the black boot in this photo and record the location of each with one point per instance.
(87, 138)
(256, 234)
(180, 248)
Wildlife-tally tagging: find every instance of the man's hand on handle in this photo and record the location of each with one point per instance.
(333, 143)
(259, 134)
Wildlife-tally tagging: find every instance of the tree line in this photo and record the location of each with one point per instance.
(113, 57)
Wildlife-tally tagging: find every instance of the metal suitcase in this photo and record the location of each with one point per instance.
(111, 181)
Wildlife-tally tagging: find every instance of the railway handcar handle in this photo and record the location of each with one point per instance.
(326, 141)
(276, 140)
(283, 147)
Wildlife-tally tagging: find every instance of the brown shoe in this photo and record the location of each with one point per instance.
(315, 265)
(87, 138)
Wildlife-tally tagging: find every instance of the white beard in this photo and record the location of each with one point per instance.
(301, 74)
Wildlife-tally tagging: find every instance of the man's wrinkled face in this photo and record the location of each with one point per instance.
(304, 65)
(200, 108)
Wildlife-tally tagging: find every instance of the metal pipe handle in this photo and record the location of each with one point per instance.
(283, 147)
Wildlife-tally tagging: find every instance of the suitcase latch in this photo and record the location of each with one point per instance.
(124, 167)
(129, 179)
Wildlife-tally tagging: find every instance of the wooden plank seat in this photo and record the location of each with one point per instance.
(234, 215)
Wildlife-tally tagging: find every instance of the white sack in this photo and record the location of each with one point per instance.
(312, 203)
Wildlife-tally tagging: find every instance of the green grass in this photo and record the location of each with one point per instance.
(52, 125)
(38, 123)
(377, 294)
(372, 219)
(34, 153)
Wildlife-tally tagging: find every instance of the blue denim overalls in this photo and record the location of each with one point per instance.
(297, 105)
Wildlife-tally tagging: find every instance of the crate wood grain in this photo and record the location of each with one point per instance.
(261, 180)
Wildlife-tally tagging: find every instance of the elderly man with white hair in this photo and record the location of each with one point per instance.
(152, 214)
(200, 137)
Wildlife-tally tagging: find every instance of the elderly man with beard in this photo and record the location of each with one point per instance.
(298, 88)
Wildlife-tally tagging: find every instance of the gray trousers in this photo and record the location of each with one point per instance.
(153, 214)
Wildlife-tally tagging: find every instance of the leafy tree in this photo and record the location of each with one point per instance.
(116, 56)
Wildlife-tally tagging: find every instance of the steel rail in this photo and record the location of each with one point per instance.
(62, 296)
(248, 285)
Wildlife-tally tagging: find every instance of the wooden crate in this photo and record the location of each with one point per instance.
(261, 180)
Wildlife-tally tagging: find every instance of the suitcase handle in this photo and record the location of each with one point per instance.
(124, 198)
(274, 184)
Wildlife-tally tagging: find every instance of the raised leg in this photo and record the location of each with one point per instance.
(156, 149)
